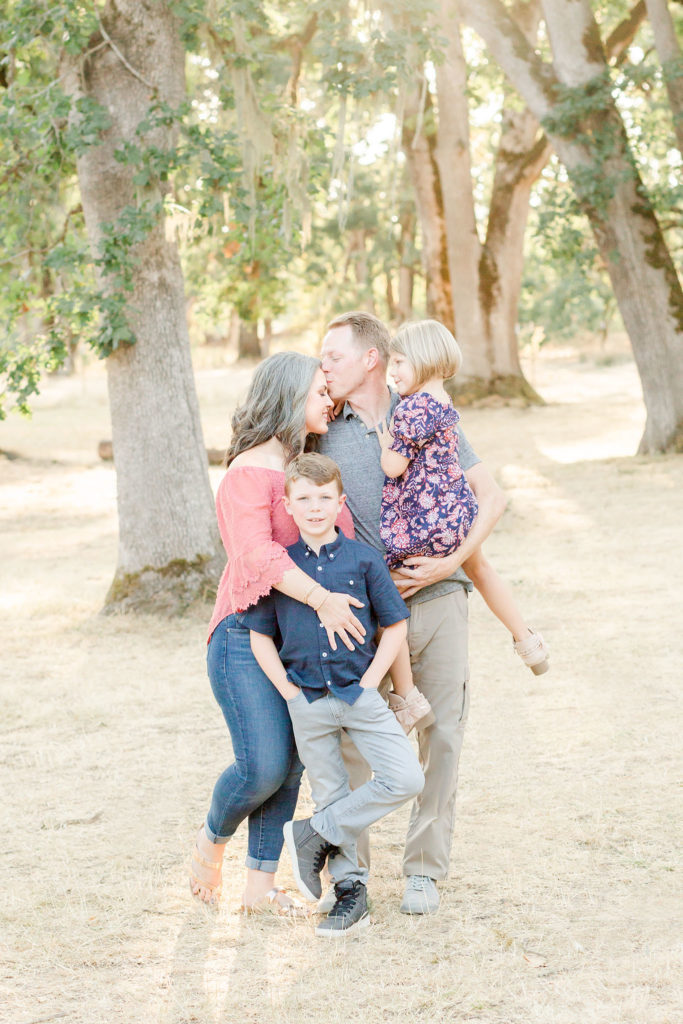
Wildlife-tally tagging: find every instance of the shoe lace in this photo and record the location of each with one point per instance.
(419, 883)
(319, 859)
(345, 898)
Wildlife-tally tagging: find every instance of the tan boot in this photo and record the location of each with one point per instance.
(413, 711)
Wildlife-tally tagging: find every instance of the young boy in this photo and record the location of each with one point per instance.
(328, 691)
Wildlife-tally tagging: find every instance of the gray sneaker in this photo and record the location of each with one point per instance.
(349, 913)
(308, 851)
(326, 901)
(421, 896)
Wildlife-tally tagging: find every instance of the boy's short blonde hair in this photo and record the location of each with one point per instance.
(319, 469)
(430, 348)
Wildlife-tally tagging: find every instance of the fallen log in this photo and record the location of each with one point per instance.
(215, 456)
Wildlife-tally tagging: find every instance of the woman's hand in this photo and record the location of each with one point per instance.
(336, 616)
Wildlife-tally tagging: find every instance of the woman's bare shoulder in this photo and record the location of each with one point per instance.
(261, 457)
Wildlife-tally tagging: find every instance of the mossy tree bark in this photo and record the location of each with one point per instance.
(418, 143)
(669, 52)
(169, 548)
(482, 278)
(596, 154)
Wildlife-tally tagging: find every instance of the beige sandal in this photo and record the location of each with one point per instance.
(270, 904)
(533, 651)
(199, 862)
(413, 711)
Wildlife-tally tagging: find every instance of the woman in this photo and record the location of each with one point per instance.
(287, 402)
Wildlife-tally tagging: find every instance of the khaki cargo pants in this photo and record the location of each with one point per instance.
(437, 637)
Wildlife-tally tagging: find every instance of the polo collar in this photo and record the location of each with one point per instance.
(347, 411)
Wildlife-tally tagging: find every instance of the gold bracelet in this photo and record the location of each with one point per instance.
(305, 600)
(327, 594)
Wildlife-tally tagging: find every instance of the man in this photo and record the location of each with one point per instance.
(355, 353)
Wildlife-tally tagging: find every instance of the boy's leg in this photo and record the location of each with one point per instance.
(317, 731)
(397, 775)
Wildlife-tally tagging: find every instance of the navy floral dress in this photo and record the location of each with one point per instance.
(430, 508)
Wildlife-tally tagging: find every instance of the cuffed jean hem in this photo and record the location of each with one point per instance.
(213, 838)
(261, 865)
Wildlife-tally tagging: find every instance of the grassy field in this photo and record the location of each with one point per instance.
(561, 904)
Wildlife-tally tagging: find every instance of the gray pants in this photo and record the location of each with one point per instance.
(341, 813)
(437, 637)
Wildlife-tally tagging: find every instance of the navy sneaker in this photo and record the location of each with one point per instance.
(349, 913)
(308, 851)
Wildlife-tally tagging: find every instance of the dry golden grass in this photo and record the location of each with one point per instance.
(560, 908)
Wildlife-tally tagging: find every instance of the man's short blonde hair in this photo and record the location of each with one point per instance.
(367, 331)
(430, 348)
(319, 469)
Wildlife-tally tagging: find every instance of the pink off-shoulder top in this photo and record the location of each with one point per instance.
(255, 529)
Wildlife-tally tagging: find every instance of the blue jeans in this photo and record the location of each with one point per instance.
(263, 782)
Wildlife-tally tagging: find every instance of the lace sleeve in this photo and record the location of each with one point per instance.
(256, 562)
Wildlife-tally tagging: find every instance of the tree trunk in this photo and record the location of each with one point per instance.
(455, 173)
(418, 141)
(168, 538)
(669, 53)
(406, 262)
(520, 159)
(267, 339)
(248, 345)
(613, 197)
(486, 279)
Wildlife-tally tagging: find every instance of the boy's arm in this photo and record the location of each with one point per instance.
(385, 655)
(264, 650)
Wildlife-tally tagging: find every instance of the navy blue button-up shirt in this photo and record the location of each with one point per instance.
(347, 567)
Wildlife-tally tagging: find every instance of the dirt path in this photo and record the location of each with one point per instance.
(560, 907)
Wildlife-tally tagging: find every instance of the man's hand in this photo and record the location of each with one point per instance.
(419, 572)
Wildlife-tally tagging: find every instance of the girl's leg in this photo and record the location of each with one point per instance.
(262, 783)
(401, 672)
(496, 593)
(412, 709)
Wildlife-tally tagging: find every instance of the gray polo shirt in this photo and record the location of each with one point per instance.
(355, 448)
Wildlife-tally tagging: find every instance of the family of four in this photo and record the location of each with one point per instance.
(352, 541)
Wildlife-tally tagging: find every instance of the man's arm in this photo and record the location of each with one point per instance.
(492, 502)
(385, 655)
(264, 650)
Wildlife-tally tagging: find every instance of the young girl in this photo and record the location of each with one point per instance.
(427, 505)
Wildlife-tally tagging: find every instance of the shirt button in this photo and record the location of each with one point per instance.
(320, 568)
(351, 582)
(321, 625)
(324, 654)
(328, 683)
(331, 556)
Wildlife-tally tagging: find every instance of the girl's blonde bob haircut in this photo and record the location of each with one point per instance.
(430, 348)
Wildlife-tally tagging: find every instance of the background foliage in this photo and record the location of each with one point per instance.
(286, 189)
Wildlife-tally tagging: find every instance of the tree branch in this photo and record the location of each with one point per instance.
(619, 40)
(129, 67)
